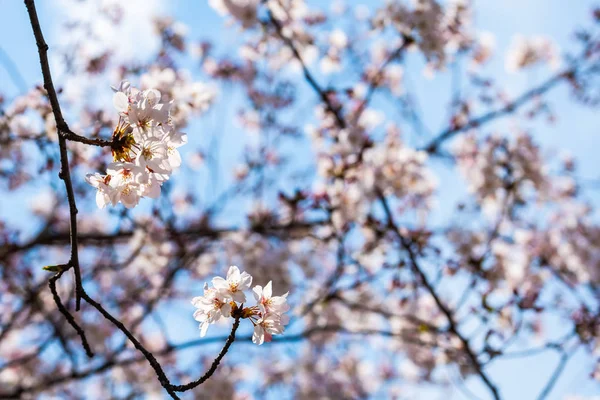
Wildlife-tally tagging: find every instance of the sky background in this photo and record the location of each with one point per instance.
(575, 131)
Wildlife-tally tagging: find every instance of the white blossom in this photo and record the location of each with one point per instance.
(235, 284)
(225, 299)
(267, 326)
(211, 307)
(269, 303)
(145, 144)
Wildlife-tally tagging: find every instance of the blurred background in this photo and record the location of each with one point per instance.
(259, 188)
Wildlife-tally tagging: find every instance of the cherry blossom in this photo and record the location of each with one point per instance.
(269, 303)
(145, 152)
(226, 299)
(267, 326)
(235, 284)
(212, 306)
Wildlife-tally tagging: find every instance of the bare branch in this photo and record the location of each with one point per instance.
(562, 363)
(508, 109)
(70, 319)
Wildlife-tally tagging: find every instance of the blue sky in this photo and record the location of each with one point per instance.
(576, 130)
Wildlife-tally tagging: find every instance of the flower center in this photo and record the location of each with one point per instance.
(147, 153)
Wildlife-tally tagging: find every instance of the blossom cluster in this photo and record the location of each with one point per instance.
(144, 148)
(226, 299)
(525, 52)
(496, 166)
(438, 29)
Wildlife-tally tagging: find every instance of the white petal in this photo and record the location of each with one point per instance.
(93, 179)
(257, 291)
(233, 274)
(220, 283)
(174, 158)
(102, 199)
(226, 310)
(203, 329)
(238, 296)
(246, 280)
(268, 291)
(258, 337)
(121, 102)
(152, 190)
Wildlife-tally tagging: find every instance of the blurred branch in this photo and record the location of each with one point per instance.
(430, 289)
(13, 71)
(335, 110)
(115, 362)
(562, 363)
(99, 239)
(406, 42)
(509, 108)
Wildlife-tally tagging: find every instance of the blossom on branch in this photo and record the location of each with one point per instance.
(144, 149)
(225, 299)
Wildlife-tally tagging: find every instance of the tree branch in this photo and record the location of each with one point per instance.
(162, 377)
(430, 289)
(562, 363)
(63, 131)
(307, 74)
(70, 319)
(215, 364)
(406, 42)
(434, 145)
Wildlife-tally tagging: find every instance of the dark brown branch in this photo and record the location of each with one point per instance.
(452, 325)
(62, 238)
(64, 132)
(509, 108)
(214, 365)
(162, 377)
(70, 319)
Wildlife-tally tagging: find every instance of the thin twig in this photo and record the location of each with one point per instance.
(375, 81)
(509, 108)
(70, 319)
(562, 363)
(162, 377)
(214, 365)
